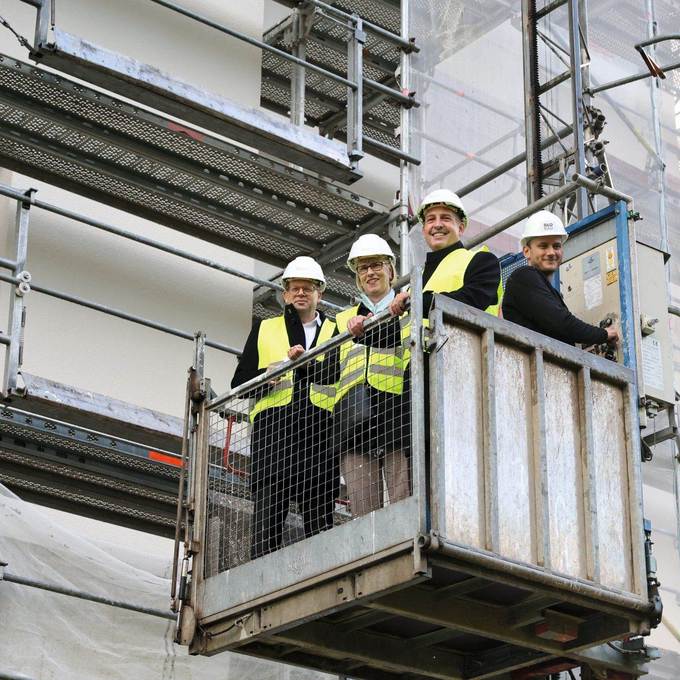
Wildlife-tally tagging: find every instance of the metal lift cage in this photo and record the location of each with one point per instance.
(521, 542)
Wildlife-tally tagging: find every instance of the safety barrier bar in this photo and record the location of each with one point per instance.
(22, 283)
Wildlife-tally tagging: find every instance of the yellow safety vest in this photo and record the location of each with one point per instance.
(273, 346)
(450, 275)
(381, 367)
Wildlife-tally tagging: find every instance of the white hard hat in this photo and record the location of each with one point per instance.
(443, 197)
(543, 223)
(304, 267)
(367, 246)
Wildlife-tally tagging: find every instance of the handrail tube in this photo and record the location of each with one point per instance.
(391, 92)
(131, 317)
(103, 226)
(287, 365)
(391, 150)
(631, 79)
(550, 7)
(253, 41)
(657, 39)
(603, 190)
(379, 30)
(5, 263)
(111, 311)
(72, 592)
(510, 164)
(577, 181)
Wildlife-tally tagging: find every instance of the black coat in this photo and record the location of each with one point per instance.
(532, 302)
(480, 282)
(388, 416)
(289, 443)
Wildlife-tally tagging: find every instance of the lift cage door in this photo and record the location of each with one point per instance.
(534, 454)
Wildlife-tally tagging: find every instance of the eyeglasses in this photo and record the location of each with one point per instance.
(305, 290)
(370, 266)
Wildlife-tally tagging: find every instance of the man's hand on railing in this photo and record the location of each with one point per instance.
(613, 335)
(398, 305)
(356, 324)
(295, 351)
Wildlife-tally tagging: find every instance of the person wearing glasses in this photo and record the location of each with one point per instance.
(371, 415)
(290, 459)
(469, 276)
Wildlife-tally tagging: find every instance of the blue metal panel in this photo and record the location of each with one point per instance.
(625, 285)
(509, 263)
(593, 220)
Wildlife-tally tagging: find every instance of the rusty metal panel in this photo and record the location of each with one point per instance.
(514, 454)
(461, 507)
(313, 557)
(531, 456)
(565, 483)
(611, 474)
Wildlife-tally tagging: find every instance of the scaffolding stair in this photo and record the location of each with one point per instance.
(148, 85)
(101, 147)
(326, 101)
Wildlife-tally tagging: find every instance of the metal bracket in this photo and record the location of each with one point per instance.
(355, 115)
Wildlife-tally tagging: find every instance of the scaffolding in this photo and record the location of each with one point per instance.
(344, 75)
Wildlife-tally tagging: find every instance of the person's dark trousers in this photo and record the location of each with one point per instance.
(291, 461)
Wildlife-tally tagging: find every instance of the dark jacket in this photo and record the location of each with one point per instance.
(480, 283)
(531, 301)
(247, 367)
(387, 422)
(289, 443)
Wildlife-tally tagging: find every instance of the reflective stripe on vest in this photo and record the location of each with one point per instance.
(449, 275)
(323, 396)
(385, 367)
(273, 346)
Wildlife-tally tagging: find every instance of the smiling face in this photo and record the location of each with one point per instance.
(304, 295)
(442, 227)
(544, 253)
(374, 275)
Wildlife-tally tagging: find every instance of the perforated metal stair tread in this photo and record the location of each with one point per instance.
(93, 144)
(325, 100)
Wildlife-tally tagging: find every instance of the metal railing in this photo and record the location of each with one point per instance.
(331, 446)
(355, 29)
(22, 282)
(304, 447)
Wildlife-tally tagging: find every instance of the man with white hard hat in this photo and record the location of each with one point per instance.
(531, 301)
(290, 460)
(469, 276)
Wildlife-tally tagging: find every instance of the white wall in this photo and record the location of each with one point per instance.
(93, 351)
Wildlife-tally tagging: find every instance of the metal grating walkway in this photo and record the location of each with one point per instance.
(74, 137)
(325, 100)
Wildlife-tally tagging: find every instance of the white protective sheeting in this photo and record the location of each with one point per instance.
(48, 636)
